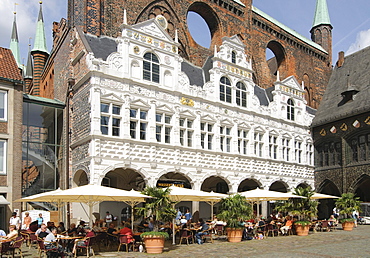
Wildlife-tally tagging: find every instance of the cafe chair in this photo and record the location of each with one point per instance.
(111, 240)
(324, 226)
(272, 230)
(4, 248)
(17, 245)
(219, 229)
(208, 233)
(88, 243)
(29, 237)
(261, 230)
(124, 240)
(185, 234)
(43, 250)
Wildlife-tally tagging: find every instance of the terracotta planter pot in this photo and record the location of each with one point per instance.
(302, 230)
(234, 235)
(154, 244)
(348, 226)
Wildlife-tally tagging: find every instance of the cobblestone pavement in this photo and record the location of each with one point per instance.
(335, 244)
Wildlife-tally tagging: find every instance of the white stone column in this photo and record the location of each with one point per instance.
(151, 122)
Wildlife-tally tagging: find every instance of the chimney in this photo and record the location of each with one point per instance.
(340, 61)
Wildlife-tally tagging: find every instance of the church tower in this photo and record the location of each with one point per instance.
(40, 54)
(321, 27)
(14, 43)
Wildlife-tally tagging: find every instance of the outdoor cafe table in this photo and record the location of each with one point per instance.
(67, 241)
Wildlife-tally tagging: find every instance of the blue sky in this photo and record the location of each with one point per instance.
(350, 19)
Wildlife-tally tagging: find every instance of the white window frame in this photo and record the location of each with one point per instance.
(226, 91)
(241, 94)
(242, 141)
(4, 101)
(163, 127)
(273, 146)
(206, 135)
(225, 138)
(3, 153)
(139, 122)
(309, 153)
(290, 110)
(298, 151)
(285, 143)
(186, 131)
(111, 115)
(258, 143)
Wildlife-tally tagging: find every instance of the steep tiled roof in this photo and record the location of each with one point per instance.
(348, 91)
(8, 65)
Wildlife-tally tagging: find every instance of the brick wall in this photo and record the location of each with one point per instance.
(225, 18)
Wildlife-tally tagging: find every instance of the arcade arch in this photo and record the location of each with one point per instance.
(279, 186)
(80, 178)
(362, 188)
(215, 184)
(249, 184)
(325, 208)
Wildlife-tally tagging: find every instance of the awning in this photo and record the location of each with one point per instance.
(3, 201)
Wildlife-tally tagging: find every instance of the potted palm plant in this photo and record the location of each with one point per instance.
(304, 208)
(160, 209)
(233, 210)
(346, 204)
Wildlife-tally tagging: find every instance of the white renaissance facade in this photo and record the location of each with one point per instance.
(155, 118)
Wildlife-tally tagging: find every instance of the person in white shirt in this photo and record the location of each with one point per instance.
(50, 241)
(15, 220)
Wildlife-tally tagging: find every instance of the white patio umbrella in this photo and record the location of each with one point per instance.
(94, 194)
(45, 197)
(257, 195)
(179, 194)
(317, 196)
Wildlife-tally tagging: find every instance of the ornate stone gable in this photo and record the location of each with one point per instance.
(112, 98)
(151, 28)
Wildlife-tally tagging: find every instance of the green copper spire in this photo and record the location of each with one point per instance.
(321, 14)
(40, 39)
(14, 43)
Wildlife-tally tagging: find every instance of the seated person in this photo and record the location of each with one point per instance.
(13, 232)
(288, 224)
(126, 230)
(203, 230)
(50, 225)
(81, 228)
(50, 241)
(112, 232)
(72, 231)
(61, 229)
(42, 232)
(143, 226)
(183, 220)
(96, 227)
(83, 242)
(332, 221)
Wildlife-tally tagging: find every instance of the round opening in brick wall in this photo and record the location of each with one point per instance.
(199, 29)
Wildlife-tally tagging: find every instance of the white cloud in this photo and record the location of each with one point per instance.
(362, 41)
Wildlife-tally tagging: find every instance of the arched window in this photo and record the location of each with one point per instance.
(151, 67)
(233, 57)
(241, 94)
(290, 110)
(225, 90)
